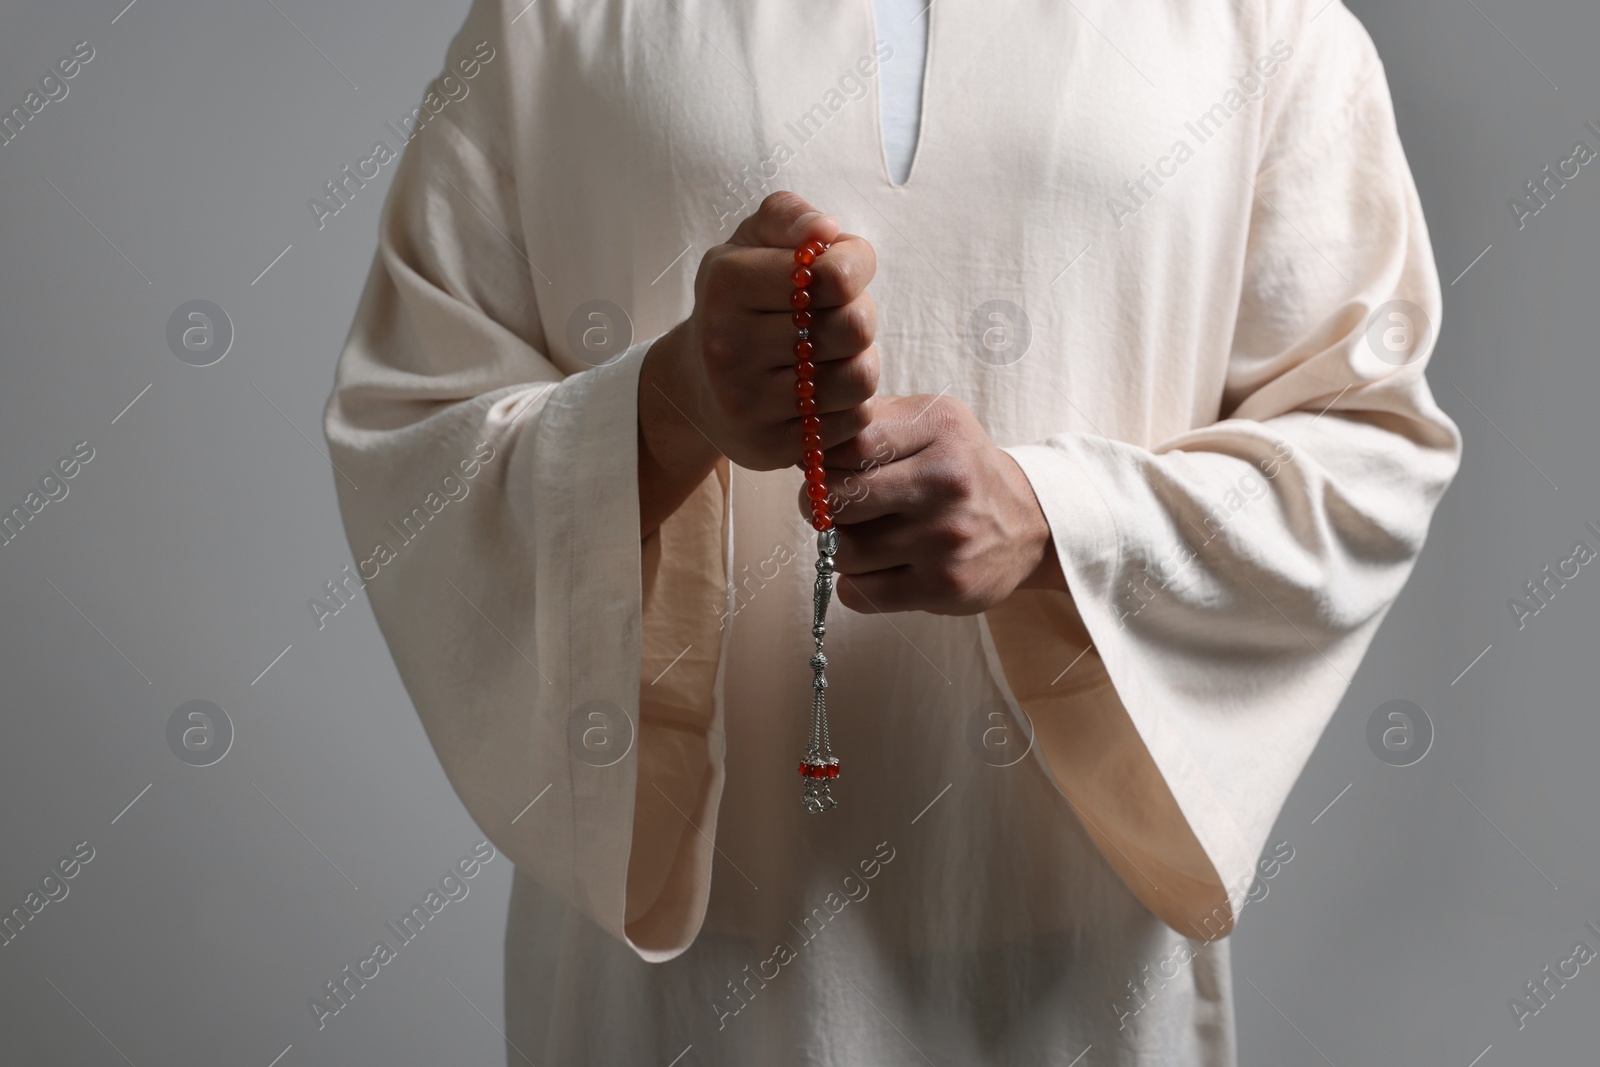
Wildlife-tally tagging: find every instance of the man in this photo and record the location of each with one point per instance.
(1126, 420)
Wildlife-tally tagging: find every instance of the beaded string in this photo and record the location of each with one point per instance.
(820, 765)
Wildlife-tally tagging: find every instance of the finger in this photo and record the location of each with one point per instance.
(889, 489)
(901, 427)
(836, 332)
(784, 441)
(845, 383)
(785, 220)
(838, 386)
(838, 426)
(863, 498)
(762, 279)
(876, 545)
(881, 592)
(841, 273)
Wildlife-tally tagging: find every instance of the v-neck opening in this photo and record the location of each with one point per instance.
(917, 144)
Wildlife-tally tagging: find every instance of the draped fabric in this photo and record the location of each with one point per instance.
(1172, 257)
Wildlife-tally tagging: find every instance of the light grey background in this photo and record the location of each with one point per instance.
(179, 565)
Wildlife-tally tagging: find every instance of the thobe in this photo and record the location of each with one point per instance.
(1172, 257)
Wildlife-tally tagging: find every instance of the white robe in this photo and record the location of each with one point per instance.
(1237, 484)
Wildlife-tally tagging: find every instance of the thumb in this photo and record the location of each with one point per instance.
(785, 220)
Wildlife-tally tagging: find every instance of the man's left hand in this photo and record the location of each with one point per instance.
(932, 515)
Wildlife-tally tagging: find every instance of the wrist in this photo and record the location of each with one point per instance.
(670, 433)
(674, 455)
(1038, 541)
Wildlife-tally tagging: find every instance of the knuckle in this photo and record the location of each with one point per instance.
(858, 419)
(858, 323)
(781, 203)
(867, 323)
(714, 282)
(950, 481)
(948, 537)
(861, 375)
(944, 411)
(868, 262)
(844, 276)
(947, 583)
(717, 344)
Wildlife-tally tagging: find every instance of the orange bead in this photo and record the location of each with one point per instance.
(811, 424)
(804, 350)
(816, 491)
(813, 457)
(816, 475)
(801, 319)
(804, 256)
(805, 370)
(805, 387)
(801, 277)
(811, 440)
(808, 405)
(800, 298)
(816, 248)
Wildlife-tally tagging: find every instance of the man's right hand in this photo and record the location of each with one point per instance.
(721, 383)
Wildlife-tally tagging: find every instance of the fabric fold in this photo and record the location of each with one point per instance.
(564, 671)
(1226, 582)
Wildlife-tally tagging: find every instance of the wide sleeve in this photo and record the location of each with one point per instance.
(565, 672)
(1225, 583)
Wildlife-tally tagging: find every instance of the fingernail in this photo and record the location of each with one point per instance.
(807, 219)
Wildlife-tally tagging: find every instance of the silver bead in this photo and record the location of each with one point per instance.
(805, 333)
(819, 662)
(828, 541)
(824, 564)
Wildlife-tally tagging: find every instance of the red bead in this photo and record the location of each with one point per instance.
(801, 319)
(804, 350)
(811, 424)
(813, 457)
(805, 369)
(816, 491)
(830, 771)
(822, 509)
(805, 387)
(801, 277)
(811, 440)
(808, 405)
(800, 298)
(816, 248)
(804, 256)
(816, 475)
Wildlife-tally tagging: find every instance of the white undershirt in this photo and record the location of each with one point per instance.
(900, 78)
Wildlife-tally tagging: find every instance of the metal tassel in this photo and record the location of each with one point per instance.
(819, 752)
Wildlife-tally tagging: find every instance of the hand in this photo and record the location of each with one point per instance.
(721, 383)
(935, 516)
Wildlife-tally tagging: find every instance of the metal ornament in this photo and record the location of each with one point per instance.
(820, 765)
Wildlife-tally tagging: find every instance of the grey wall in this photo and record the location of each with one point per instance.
(178, 566)
(1420, 903)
